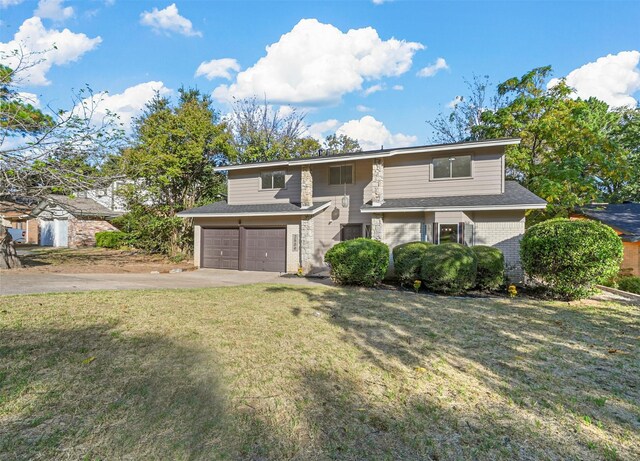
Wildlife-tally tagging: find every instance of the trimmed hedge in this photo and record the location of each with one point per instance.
(360, 261)
(569, 257)
(407, 259)
(449, 268)
(490, 275)
(630, 284)
(110, 239)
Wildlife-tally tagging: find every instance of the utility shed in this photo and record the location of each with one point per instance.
(71, 221)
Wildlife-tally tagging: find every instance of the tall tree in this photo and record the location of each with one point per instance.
(171, 162)
(340, 144)
(261, 133)
(48, 150)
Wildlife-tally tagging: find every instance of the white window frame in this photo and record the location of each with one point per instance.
(272, 172)
(450, 178)
(341, 166)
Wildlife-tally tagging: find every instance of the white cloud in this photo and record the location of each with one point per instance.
(434, 68)
(168, 20)
(362, 108)
(8, 3)
(380, 2)
(217, 68)
(128, 104)
(29, 98)
(613, 79)
(33, 37)
(397, 87)
(317, 63)
(320, 130)
(454, 102)
(373, 89)
(53, 9)
(371, 134)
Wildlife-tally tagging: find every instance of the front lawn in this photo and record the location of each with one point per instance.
(281, 372)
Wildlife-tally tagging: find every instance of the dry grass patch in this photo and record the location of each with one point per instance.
(94, 260)
(281, 372)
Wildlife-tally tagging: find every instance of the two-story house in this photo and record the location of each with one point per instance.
(282, 215)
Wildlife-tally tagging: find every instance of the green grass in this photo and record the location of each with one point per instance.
(281, 372)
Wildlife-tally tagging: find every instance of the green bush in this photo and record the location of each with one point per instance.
(358, 262)
(110, 239)
(407, 259)
(449, 268)
(570, 257)
(630, 284)
(490, 275)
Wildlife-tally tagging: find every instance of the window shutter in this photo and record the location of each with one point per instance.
(461, 233)
(423, 232)
(436, 237)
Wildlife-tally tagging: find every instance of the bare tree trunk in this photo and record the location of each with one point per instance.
(8, 256)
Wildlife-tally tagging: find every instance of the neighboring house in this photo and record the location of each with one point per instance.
(286, 214)
(624, 218)
(71, 222)
(108, 196)
(16, 214)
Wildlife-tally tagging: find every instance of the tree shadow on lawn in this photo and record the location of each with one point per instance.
(98, 393)
(555, 380)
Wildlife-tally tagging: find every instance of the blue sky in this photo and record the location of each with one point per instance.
(374, 71)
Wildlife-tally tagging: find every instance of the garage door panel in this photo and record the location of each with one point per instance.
(265, 250)
(220, 248)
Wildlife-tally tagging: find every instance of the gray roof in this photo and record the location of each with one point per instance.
(77, 206)
(223, 208)
(624, 217)
(514, 196)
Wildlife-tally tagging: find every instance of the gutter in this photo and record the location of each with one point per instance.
(381, 209)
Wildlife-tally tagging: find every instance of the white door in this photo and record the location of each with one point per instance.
(46, 232)
(61, 233)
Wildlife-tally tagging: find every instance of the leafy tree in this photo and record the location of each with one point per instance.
(171, 161)
(44, 151)
(340, 144)
(262, 134)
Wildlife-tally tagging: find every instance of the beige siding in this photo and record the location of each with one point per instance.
(292, 224)
(244, 187)
(327, 224)
(410, 176)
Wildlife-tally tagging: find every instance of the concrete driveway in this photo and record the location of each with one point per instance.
(25, 283)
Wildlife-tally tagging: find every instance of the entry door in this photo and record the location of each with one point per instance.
(61, 233)
(265, 250)
(220, 248)
(46, 233)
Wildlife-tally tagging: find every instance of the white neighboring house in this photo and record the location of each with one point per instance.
(108, 196)
(72, 221)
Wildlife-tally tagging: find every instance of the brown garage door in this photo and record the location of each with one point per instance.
(265, 250)
(220, 248)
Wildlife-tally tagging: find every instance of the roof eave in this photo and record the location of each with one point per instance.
(382, 209)
(371, 155)
(301, 212)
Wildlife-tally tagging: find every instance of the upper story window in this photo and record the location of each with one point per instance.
(458, 166)
(272, 180)
(341, 174)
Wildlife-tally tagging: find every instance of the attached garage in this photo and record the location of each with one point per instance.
(251, 249)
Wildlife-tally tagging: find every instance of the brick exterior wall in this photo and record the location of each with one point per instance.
(506, 236)
(32, 231)
(82, 232)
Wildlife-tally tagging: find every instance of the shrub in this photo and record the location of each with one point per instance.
(407, 259)
(570, 257)
(630, 284)
(490, 275)
(449, 268)
(110, 239)
(358, 262)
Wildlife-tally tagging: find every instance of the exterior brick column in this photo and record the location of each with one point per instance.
(377, 227)
(306, 243)
(306, 187)
(377, 182)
